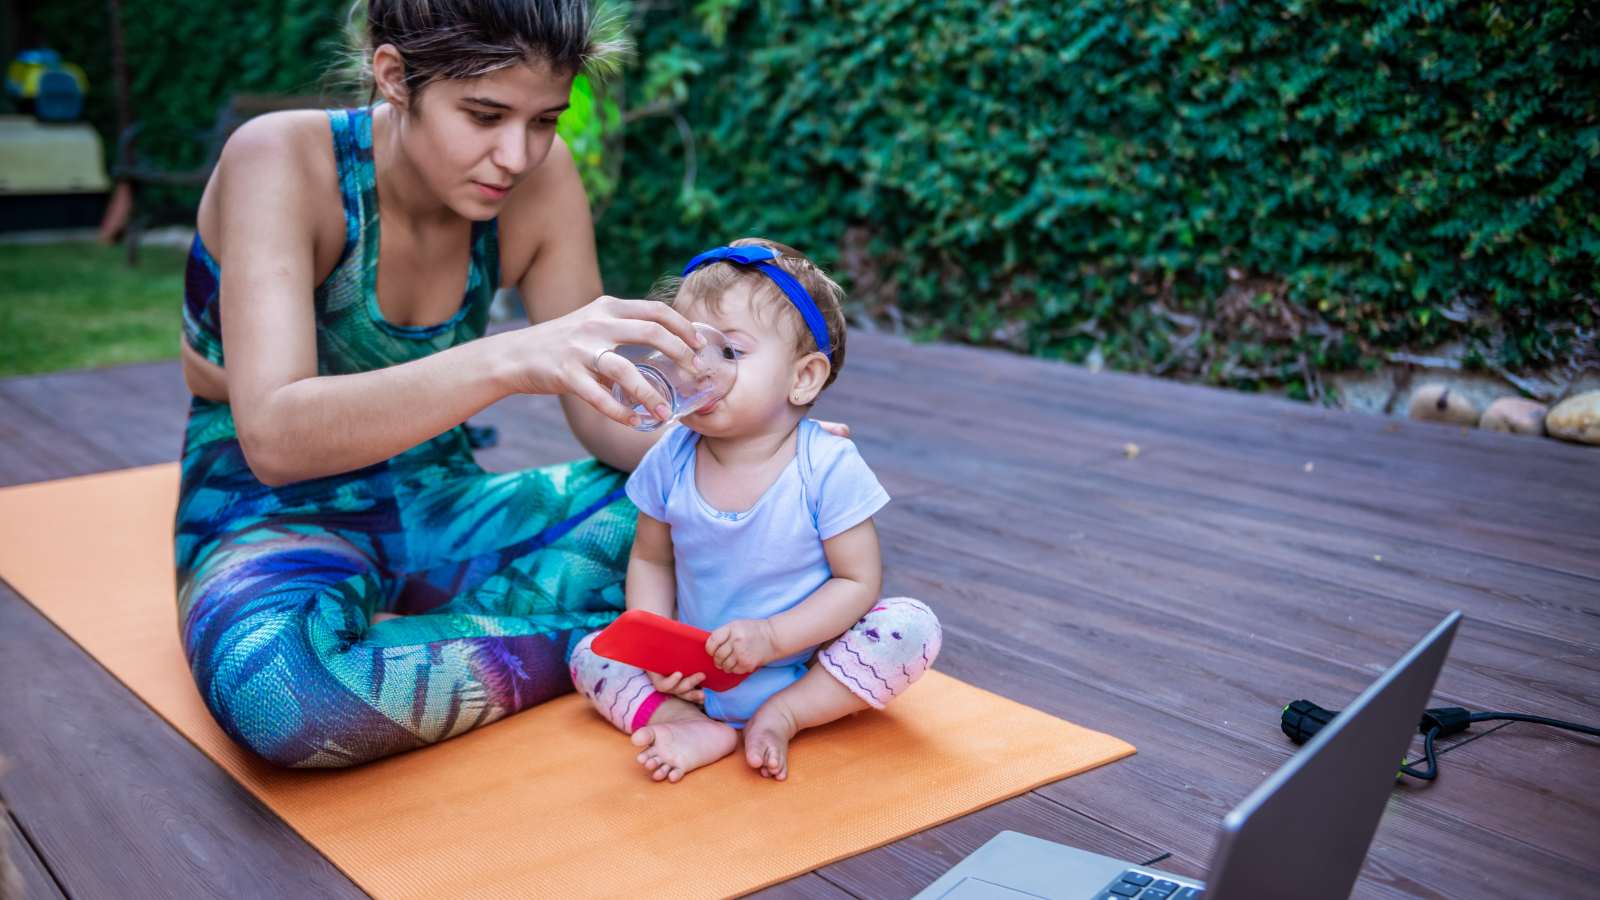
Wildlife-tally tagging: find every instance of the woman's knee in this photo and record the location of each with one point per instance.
(253, 691)
(264, 653)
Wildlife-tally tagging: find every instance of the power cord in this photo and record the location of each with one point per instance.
(1302, 719)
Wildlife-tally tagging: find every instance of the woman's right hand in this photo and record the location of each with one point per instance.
(567, 355)
(679, 686)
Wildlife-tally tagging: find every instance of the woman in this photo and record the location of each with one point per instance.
(327, 480)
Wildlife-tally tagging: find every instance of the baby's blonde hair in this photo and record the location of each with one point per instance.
(709, 282)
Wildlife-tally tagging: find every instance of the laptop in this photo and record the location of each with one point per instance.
(1302, 833)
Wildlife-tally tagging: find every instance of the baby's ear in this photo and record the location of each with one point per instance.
(810, 374)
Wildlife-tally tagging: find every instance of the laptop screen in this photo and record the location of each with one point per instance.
(1305, 831)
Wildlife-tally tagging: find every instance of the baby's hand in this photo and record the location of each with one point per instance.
(679, 686)
(742, 645)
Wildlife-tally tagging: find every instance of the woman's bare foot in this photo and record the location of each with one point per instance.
(670, 749)
(767, 737)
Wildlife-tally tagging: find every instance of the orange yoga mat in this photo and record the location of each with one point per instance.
(550, 801)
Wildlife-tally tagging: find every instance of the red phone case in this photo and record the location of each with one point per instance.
(662, 645)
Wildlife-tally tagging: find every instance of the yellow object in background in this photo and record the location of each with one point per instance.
(41, 83)
(23, 75)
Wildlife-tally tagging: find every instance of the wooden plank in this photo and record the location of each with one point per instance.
(1170, 789)
(1501, 500)
(1139, 566)
(133, 415)
(1005, 512)
(1075, 580)
(809, 886)
(34, 880)
(117, 803)
(1365, 442)
(1215, 711)
(32, 448)
(1494, 664)
(94, 766)
(1114, 534)
(1001, 374)
(909, 865)
(1098, 445)
(969, 452)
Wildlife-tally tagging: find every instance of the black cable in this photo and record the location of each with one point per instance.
(1537, 720)
(1466, 740)
(1505, 719)
(1432, 771)
(1302, 719)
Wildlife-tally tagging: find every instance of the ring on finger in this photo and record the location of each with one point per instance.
(595, 363)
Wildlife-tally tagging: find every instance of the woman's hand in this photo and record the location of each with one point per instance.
(568, 355)
(742, 645)
(679, 686)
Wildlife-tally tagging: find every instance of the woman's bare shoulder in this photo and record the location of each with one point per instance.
(285, 161)
(300, 137)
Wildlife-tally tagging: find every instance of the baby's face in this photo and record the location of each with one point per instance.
(765, 350)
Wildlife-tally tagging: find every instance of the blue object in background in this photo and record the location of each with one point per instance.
(53, 89)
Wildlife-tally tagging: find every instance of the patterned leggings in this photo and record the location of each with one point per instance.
(500, 575)
(877, 659)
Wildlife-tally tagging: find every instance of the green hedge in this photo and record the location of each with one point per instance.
(1245, 192)
(1251, 193)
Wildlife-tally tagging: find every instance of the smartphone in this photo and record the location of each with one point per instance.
(662, 645)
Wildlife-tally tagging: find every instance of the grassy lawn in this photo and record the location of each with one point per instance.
(78, 305)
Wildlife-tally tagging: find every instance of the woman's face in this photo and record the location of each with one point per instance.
(473, 140)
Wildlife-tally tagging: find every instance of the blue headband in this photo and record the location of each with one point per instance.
(758, 256)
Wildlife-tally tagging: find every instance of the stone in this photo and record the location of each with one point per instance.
(1436, 402)
(1517, 415)
(1387, 388)
(1576, 419)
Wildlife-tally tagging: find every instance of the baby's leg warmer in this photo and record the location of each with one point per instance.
(885, 651)
(621, 692)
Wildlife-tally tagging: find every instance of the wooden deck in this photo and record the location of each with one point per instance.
(1256, 551)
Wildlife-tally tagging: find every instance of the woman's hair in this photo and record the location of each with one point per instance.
(708, 283)
(469, 38)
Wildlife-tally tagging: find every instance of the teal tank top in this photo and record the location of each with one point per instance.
(352, 334)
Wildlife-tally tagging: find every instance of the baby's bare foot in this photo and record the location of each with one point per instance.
(670, 750)
(766, 739)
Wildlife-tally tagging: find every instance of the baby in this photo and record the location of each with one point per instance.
(756, 525)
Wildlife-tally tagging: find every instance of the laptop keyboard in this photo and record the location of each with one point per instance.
(1136, 885)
